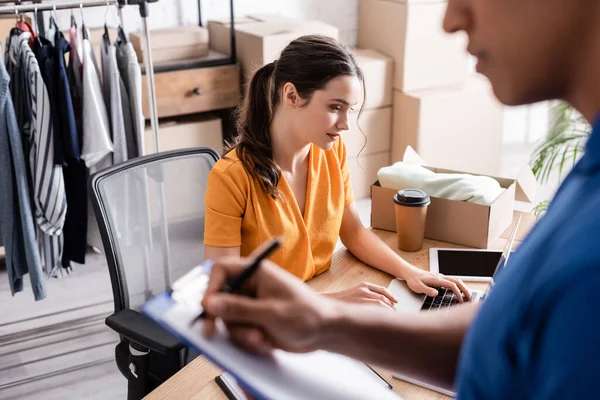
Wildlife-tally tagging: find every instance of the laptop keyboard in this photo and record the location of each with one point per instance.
(444, 299)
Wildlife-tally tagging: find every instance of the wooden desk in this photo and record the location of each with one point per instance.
(196, 380)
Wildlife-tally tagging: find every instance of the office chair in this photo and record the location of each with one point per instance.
(150, 214)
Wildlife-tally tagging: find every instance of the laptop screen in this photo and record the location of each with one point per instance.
(505, 254)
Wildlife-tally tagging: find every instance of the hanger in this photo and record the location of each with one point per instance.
(73, 22)
(53, 18)
(121, 36)
(35, 23)
(83, 29)
(106, 36)
(17, 16)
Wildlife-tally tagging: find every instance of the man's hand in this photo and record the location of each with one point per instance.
(276, 309)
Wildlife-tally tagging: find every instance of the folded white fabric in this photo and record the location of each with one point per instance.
(463, 187)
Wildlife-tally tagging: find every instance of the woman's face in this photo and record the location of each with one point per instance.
(323, 118)
(529, 49)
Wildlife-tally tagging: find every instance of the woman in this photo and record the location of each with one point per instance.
(287, 175)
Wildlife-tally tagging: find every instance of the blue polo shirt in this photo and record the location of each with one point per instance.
(537, 335)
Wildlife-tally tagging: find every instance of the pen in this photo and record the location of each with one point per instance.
(236, 282)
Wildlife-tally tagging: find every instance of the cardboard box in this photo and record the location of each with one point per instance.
(218, 30)
(363, 171)
(260, 42)
(172, 44)
(411, 33)
(378, 70)
(459, 222)
(374, 135)
(201, 130)
(458, 128)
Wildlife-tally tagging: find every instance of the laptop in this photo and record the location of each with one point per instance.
(411, 301)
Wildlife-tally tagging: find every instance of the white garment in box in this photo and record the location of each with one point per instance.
(462, 187)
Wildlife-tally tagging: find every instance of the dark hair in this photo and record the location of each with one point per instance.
(309, 63)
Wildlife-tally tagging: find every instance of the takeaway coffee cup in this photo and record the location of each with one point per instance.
(411, 214)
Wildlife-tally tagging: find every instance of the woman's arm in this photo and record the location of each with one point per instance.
(371, 250)
(220, 252)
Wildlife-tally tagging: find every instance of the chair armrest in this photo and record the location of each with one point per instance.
(144, 331)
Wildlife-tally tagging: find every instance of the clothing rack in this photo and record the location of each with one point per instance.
(8, 7)
(17, 7)
(36, 6)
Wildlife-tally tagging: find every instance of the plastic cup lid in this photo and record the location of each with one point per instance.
(412, 198)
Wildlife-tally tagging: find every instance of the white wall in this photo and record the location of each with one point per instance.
(522, 124)
(526, 124)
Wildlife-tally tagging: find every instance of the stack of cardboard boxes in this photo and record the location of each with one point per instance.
(368, 140)
(450, 118)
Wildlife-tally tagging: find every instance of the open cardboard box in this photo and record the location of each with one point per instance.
(459, 222)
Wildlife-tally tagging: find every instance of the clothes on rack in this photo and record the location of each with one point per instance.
(112, 85)
(74, 72)
(75, 172)
(131, 73)
(58, 124)
(44, 54)
(45, 178)
(16, 220)
(25, 27)
(97, 145)
(51, 31)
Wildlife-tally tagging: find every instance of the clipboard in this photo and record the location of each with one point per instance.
(282, 375)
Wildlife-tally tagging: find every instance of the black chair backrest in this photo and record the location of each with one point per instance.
(150, 213)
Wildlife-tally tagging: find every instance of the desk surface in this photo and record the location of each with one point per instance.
(196, 380)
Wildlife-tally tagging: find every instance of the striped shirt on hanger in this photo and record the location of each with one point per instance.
(46, 178)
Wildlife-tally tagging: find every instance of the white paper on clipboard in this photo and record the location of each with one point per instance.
(285, 376)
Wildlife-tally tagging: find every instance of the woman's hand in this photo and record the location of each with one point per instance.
(425, 282)
(366, 293)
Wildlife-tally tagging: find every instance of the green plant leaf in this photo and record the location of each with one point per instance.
(541, 208)
(566, 132)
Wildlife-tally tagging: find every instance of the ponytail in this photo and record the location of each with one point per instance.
(253, 143)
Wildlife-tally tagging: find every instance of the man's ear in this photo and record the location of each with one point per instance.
(290, 95)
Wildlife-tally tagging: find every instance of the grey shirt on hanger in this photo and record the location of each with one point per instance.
(111, 84)
(132, 77)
